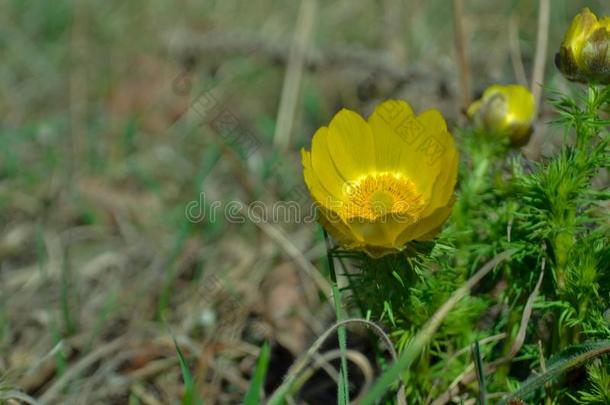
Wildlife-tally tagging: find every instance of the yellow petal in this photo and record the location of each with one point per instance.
(521, 106)
(395, 128)
(444, 185)
(338, 229)
(432, 152)
(381, 232)
(373, 232)
(427, 227)
(351, 145)
(412, 145)
(473, 109)
(582, 26)
(318, 192)
(323, 166)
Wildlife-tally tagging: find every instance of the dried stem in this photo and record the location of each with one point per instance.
(544, 12)
(294, 73)
(515, 51)
(185, 45)
(460, 49)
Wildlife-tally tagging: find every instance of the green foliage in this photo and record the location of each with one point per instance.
(572, 357)
(553, 215)
(598, 391)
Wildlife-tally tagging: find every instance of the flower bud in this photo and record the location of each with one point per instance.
(585, 51)
(504, 111)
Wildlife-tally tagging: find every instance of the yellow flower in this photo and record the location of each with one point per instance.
(585, 51)
(504, 111)
(381, 183)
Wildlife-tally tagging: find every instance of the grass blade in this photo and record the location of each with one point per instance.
(191, 396)
(256, 385)
(480, 373)
(343, 387)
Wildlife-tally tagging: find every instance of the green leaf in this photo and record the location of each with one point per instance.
(190, 392)
(480, 373)
(256, 385)
(572, 357)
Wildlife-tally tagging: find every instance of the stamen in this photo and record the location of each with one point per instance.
(382, 194)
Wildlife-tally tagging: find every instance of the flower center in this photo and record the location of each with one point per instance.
(381, 194)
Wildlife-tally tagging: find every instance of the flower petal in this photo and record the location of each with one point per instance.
(582, 26)
(444, 185)
(323, 166)
(318, 192)
(394, 127)
(339, 229)
(427, 227)
(431, 152)
(381, 232)
(351, 145)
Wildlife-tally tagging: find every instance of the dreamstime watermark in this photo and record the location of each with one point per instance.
(238, 212)
(290, 211)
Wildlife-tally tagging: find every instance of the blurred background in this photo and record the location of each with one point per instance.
(122, 123)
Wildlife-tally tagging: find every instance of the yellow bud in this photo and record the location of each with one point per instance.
(585, 51)
(504, 111)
